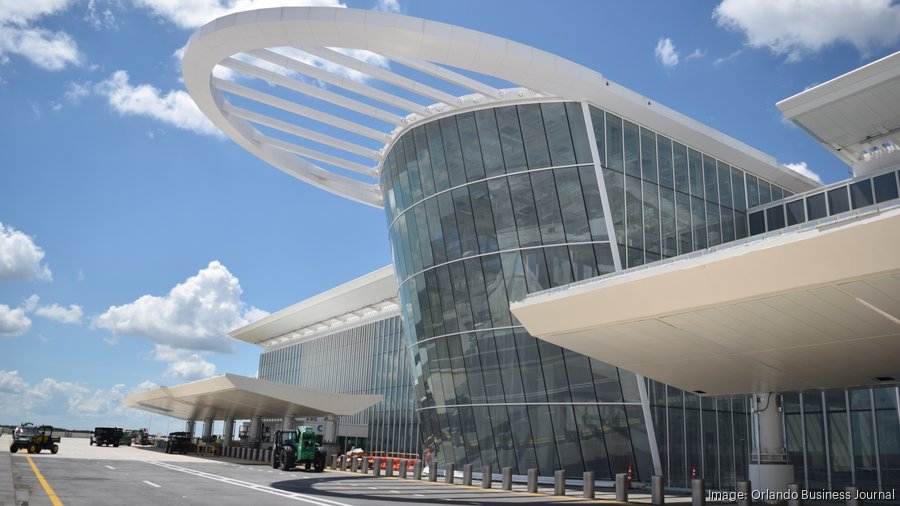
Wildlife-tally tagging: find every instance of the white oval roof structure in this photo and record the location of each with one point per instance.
(321, 93)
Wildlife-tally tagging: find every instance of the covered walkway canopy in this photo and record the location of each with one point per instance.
(231, 396)
(808, 309)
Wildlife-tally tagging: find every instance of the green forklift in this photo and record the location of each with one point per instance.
(300, 446)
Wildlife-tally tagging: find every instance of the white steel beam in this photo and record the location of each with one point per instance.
(489, 92)
(315, 155)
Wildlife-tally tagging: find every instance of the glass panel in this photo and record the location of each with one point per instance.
(727, 225)
(471, 148)
(489, 138)
(421, 149)
(525, 211)
(558, 136)
(536, 150)
(817, 466)
(584, 265)
(667, 222)
(815, 207)
(484, 221)
(574, 214)
(511, 139)
(634, 224)
(885, 187)
(465, 220)
(597, 121)
(536, 276)
(795, 212)
(618, 440)
(888, 430)
(765, 192)
(710, 179)
(593, 444)
(777, 193)
(725, 197)
(648, 155)
(683, 218)
(752, 191)
(775, 218)
(559, 269)
(453, 151)
(695, 168)
(682, 177)
(504, 220)
(698, 217)
(838, 202)
(861, 194)
(436, 156)
(651, 223)
(632, 149)
(547, 205)
(712, 224)
(614, 154)
(579, 133)
(593, 203)
(615, 192)
(757, 223)
(664, 152)
(838, 440)
(737, 189)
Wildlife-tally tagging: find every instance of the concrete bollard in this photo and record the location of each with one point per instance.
(329, 461)
(533, 481)
(354, 464)
(344, 462)
(794, 495)
(744, 494)
(432, 472)
(657, 490)
(559, 482)
(448, 474)
(622, 487)
(365, 465)
(377, 471)
(404, 467)
(467, 475)
(852, 493)
(389, 468)
(486, 477)
(268, 455)
(417, 471)
(698, 492)
(245, 453)
(506, 478)
(587, 487)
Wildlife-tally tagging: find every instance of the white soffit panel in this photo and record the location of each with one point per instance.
(321, 93)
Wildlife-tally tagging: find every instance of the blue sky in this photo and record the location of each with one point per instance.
(133, 237)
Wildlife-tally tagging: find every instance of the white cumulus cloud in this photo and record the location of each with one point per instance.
(13, 321)
(794, 28)
(801, 168)
(191, 367)
(44, 48)
(388, 5)
(666, 53)
(58, 313)
(174, 107)
(195, 315)
(68, 404)
(20, 257)
(193, 13)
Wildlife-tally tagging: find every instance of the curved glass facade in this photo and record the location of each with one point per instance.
(487, 206)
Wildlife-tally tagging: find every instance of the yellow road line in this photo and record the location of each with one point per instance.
(50, 493)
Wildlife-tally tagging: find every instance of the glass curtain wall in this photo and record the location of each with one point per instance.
(838, 438)
(366, 359)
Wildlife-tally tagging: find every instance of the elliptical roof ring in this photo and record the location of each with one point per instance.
(428, 47)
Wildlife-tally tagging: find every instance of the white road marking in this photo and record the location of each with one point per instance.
(253, 486)
(111, 467)
(149, 483)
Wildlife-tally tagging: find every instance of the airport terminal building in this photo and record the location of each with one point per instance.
(582, 279)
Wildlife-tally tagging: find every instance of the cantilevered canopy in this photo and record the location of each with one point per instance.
(856, 116)
(816, 308)
(240, 397)
(322, 93)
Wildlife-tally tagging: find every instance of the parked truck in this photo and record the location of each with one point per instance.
(298, 447)
(179, 442)
(34, 439)
(105, 436)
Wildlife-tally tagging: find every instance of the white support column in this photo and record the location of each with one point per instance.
(189, 427)
(769, 466)
(287, 424)
(228, 432)
(255, 427)
(648, 423)
(207, 429)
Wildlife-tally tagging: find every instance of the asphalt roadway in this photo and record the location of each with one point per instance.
(81, 474)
